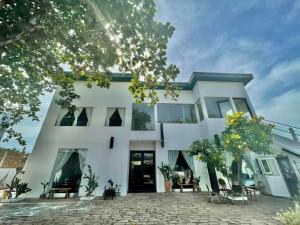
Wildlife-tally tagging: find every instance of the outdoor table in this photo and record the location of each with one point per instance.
(224, 193)
(187, 185)
(59, 190)
(109, 193)
(251, 193)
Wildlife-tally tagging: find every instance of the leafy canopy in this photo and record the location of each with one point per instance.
(210, 152)
(38, 37)
(242, 134)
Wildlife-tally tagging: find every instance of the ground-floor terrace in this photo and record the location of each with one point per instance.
(143, 208)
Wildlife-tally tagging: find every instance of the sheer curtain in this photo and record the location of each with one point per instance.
(122, 115)
(110, 111)
(61, 159)
(76, 114)
(247, 158)
(172, 156)
(89, 112)
(81, 157)
(61, 114)
(189, 160)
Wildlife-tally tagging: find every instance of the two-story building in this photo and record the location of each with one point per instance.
(126, 142)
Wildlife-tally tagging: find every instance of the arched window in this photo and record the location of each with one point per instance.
(115, 120)
(68, 119)
(82, 119)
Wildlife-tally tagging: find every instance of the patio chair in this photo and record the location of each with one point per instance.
(214, 196)
(237, 194)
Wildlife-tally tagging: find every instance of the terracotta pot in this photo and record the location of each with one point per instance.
(167, 185)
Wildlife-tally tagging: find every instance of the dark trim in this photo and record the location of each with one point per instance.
(196, 76)
(290, 152)
(162, 136)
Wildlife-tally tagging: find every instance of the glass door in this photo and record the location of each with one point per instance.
(142, 171)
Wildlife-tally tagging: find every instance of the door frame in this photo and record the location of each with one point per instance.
(129, 168)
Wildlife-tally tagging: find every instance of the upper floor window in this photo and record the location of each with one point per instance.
(200, 111)
(218, 107)
(176, 113)
(142, 117)
(115, 117)
(242, 106)
(81, 116)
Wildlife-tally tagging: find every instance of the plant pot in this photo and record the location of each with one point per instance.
(167, 185)
(43, 195)
(87, 198)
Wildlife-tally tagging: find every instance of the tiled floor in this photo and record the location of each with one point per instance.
(152, 208)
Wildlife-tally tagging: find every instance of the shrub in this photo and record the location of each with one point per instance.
(289, 216)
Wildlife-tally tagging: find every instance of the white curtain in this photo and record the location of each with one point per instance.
(189, 160)
(61, 159)
(81, 157)
(76, 114)
(110, 112)
(61, 114)
(122, 115)
(247, 158)
(89, 111)
(173, 156)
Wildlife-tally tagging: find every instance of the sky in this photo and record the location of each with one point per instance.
(261, 37)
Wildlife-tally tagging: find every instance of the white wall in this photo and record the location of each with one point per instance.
(114, 163)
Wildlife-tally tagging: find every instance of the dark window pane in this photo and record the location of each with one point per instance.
(242, 106)
(217, 107)
(68, 119)
(115, 120)
(176, 113)
(82, 119)
(142, 117)
(199, 107)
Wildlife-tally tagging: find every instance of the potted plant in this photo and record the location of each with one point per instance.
(196, 182)
(222, 183)
(44, 184)
(16, 188)
(91, 184)
(166, 171)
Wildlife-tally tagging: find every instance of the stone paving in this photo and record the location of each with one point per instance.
(142, 209)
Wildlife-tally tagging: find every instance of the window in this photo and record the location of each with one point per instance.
(142, 117)
(176, 113)
(200, 111)
(242, 106)
(217, 107)
(81, 116)
(269, 166)
(115, 117)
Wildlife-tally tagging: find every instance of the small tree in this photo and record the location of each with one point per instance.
(92, 181)
(210, 152)
(243, 134)
(15, 184)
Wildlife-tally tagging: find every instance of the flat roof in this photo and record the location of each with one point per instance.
(196, 76)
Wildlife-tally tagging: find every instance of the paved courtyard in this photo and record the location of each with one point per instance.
(152, 208)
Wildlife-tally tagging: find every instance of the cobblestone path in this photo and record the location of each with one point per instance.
(142, 209)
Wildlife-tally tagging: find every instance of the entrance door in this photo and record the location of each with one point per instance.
(275, 179)
(142, 171)
(288, 174)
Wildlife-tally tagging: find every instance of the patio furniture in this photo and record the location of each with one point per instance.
(237, 194)
(251, 193)
(109, 193)
(214, 196)
(182, 185)
(59, 190)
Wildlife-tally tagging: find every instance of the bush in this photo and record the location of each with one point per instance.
(289, 216)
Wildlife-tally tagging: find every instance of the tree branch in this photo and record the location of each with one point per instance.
(19, 36)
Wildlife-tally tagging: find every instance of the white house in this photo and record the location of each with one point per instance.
(126, 142)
